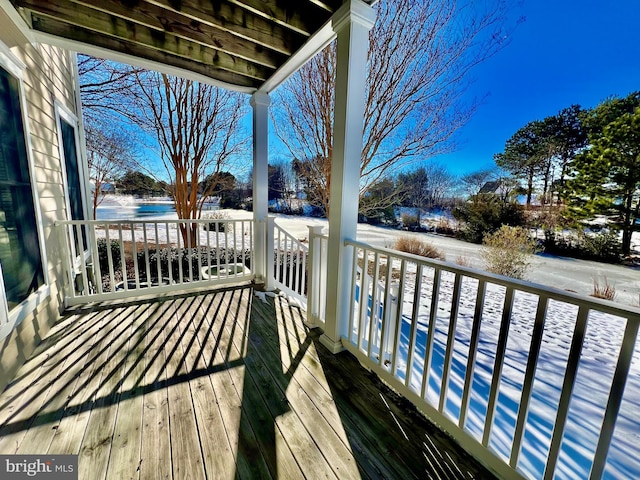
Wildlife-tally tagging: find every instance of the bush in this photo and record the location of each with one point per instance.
(508, 251)
(172, 258)
(606, 291)
(605, 246)
(215, 225)
(485, 213)
(103, 258)
(410, 222)
(602, 247)
(415, 246)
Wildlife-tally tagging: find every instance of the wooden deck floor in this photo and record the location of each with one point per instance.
(219, 386)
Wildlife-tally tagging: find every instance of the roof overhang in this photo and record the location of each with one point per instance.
(244, 45)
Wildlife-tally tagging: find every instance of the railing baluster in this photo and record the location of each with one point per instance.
(112, 281)
(414, 325)
(147, 262)
(532, 362)
(217, 230)
(136, 273)
(354, 278)
(180, 241)
(386, 313)
(501, 349)
(373, 318)
(615, 397)
(189, 249)
(303, 281)
(398, 325)
(226, 244)
(123, 259)
(208, 233)
(269, 256)
(169, 252)
(473, 349)
(199, 250)
(451, 336)
(83, 263)
(95, 258)
(433, 318)
(566, 392)
(363, 300)
(158, 267)
(288, 241)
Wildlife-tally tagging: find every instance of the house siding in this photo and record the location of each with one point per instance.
(47, 79)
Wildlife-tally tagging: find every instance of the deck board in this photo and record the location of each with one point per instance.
(214, 385)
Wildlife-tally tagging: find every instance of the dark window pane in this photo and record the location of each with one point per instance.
(73, 178)
(19, 247)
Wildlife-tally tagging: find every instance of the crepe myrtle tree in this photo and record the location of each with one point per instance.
(198, 129)
(418, 64)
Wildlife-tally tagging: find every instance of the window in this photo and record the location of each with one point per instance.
(69, 150)
(20, 256)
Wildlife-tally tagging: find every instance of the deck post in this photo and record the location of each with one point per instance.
(260, 103)
(351, 23)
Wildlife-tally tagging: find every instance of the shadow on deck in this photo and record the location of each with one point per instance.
(216, 385)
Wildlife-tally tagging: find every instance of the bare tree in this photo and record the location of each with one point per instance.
(419, 59)
(103, 84)
(474, 181)
(110, 152)
(197, 127)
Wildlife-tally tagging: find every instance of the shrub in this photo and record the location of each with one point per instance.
(508, 251)
(446, 227)
(606, 291)
(215, 225)
(463, 261)
(605, 246)
(485, 213)
(602, 247)
(410, 222)
(416, 246)
(103, 259)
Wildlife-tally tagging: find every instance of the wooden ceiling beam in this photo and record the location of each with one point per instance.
(236, 20)
(158, 18)
(212, 70)
(291, 15)
(159, 39)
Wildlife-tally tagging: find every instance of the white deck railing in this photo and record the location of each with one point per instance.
(129, 258)
(529, 379)
(299, 270)
(290, 254)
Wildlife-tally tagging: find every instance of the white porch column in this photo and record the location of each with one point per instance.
(351, 24)
(260, 104)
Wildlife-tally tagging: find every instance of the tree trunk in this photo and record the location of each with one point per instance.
(530, 188)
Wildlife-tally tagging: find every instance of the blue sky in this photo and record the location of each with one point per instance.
(565, 52)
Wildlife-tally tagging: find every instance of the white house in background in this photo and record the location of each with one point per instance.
(42, 180)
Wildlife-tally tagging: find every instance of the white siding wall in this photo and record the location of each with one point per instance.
(47, 78)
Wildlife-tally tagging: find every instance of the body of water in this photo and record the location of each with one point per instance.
(135, 211)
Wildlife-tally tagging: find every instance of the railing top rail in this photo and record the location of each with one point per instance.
(151, 221)
(605, 306)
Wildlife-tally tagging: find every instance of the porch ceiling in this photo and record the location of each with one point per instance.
(239, 43)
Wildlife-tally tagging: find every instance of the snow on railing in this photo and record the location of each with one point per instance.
(129, 258)
(531, 380)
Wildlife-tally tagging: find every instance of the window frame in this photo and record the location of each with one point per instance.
(64, 114)
(14, 67)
